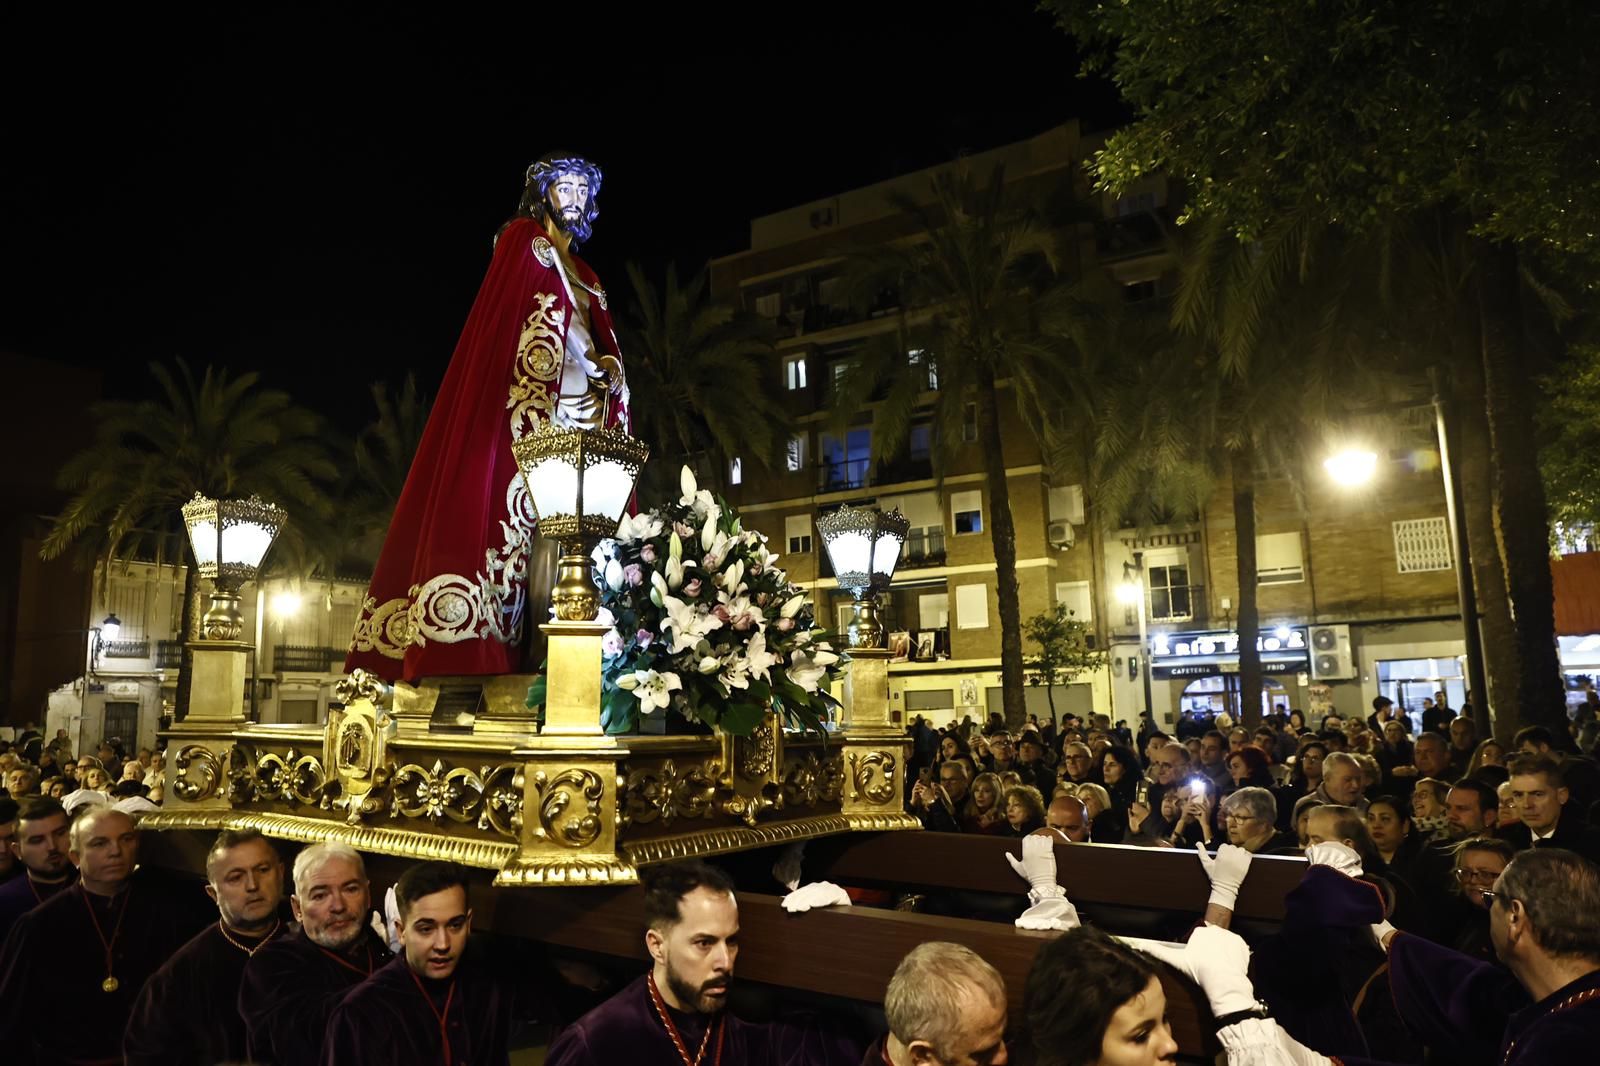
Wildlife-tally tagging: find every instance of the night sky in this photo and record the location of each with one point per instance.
(314, 196)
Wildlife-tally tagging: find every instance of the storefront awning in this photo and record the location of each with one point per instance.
(1577, 583)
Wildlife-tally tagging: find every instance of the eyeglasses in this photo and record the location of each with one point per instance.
(1486, 877)
(1487, 898)
(1234, 817)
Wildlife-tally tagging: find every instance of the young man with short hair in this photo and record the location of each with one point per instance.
(431, 1004)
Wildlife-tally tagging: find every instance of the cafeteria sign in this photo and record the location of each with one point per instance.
(1283, 650)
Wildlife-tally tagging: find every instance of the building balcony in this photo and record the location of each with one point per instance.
(125, 649)
(169, 654)
(293, 659)
(923, 548)
(1164, 606)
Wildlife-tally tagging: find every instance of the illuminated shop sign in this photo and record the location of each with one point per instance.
(1201, 654)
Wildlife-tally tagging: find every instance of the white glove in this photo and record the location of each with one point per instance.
(1262, 1042)
(1341, 857)
(1056, 914)
(1227, 872)
(1215, 959)
(1038, 868)
(1380, 932)
(816, 894)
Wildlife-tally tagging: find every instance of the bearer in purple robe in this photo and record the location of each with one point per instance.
(430, 1005)
(188, 1014)
(292, 985)
(1544, 1005)
(73, 966)
(40, 844)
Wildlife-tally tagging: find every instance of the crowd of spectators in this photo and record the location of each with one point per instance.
(108, 774)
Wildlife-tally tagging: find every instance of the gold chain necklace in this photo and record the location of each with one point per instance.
(222, 927)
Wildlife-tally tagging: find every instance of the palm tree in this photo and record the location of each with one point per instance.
(219, 435)
(704, 368)
(978, 264)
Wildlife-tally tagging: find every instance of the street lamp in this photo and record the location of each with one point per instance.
(1131, 592)
(229, 538)
(580, 481)
(1351, 467)
(864, 546)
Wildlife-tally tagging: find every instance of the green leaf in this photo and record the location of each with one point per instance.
(741, 719)
(536, 691)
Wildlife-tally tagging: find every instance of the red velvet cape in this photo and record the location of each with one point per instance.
(449, 594)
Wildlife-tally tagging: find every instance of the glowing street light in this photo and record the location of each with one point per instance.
(1128, 593)
(285, 605)
(1352, 467)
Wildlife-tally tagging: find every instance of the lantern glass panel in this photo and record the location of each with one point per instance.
(851, 553)
(554, 485)
(607, 484)
(245, 543)
(203, 538)
(886, 554)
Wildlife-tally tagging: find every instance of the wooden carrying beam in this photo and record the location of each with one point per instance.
(840, 951)
(1162, 879)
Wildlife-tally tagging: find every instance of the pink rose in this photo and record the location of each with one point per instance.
(691, 588)
(643, 637)
(648, 553)
(721, 611)
(743, 624)
(633, 574)
(683, 529)
(784, 624)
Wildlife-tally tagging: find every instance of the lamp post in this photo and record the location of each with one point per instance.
(1354, 466)
(100, 635)
(229, 538)
(580, 481)
(1131, 591)
(864, 546)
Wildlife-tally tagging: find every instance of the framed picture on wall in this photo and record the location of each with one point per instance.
(925, 645)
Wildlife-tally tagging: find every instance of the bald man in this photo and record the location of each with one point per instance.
(292, 985)
(115, 928)
(188, 1014)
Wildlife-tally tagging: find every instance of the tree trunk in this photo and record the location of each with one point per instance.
(1003, 535)
(1501, 666)
(1522, 523)
(189, 630)
(1242, 469)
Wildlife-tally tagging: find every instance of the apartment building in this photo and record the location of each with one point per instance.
(1357, 591)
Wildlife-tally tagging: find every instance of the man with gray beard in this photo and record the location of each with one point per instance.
(292, 985)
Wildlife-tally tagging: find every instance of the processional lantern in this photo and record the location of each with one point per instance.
(580, 481)
(229, 538)
(864, 547)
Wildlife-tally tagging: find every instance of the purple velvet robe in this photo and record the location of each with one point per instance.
(385, 1019)
(21, 894)
(188, 1013)
(289, 989)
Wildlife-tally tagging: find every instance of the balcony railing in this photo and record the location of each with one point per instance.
(923, 548)
(289, 658)
(169, 654)
(125, 649)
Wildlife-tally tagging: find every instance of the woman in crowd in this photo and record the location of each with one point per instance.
(1105, 822)
(1488, 753)
(1428, 806)
(1250, 817)
(1024, 811)
(1307, 776)
(984, 812)
(1479, 863)
(1120, 772)
(952, 746)
(1250, 768)
(1395, 750)
(1297, 722)
(1389, 823)
(1371, 774)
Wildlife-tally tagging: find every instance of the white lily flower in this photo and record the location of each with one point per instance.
(613, 575)
(674, 573)
(708, 531)
(688, 623)
(658, 586)
(792, 606)
(687, 483)
(760, 659)
(736, 672)
(653, 689)
(807, 668)
(709, 664)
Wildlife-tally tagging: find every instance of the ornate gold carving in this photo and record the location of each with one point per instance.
(355, 743)
(437, 793)
(570, 871)
(502, 807)
(544, 251)
(663, 793)
(803, 781)
(361, 685)
(407, 843)
(752, 807)
(293, 777)
(558, 822)
(832, 778)
(196, 757)
(758, 750)
(241, 774)
(872, 775)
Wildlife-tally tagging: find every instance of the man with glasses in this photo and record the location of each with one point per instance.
(1543, 1006)
(1077, 763)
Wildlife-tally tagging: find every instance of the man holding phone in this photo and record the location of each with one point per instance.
(939, 804)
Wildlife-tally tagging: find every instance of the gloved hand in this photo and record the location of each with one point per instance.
(1341, 857)
(816, 894)
(1381, 932)
(1227, 872)
(1262, 1042)
(1038, 868)
(1055, 913)
(1215, 959)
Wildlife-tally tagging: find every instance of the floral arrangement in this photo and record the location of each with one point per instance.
(704, 622)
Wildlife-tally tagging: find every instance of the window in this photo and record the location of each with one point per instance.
(797, 534)
(923, 359)
(933, 610)
(1074, 595)
(931, 699)
(341, 625)
(1066, 504)
(972, 606)
(768, 304)
(126, 601)
(1278, 559)
(837, 372)
(925, 539)
(919, 443)
(1422, 544)
(736, 471)
(795, 454)
(969, 423)
(1171, 595)
(1139, 291)
(794, 372)
(847, 462)
(966, 511)
(1134, 203)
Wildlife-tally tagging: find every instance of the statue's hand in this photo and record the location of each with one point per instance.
(608, 372)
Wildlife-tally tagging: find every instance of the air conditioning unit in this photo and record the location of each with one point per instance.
(1061, 535)
(1331, 657)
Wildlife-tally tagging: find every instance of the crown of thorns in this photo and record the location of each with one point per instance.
(543, 171)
